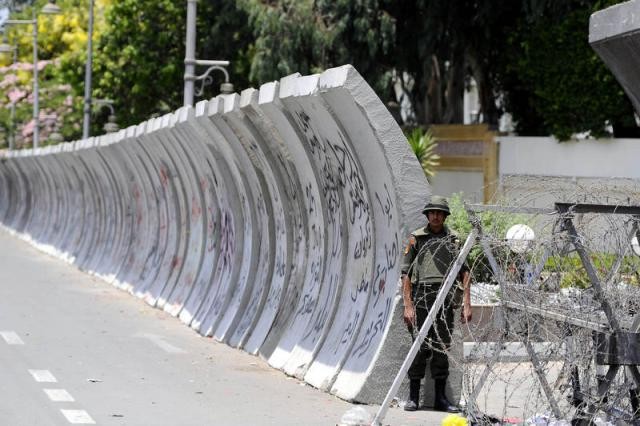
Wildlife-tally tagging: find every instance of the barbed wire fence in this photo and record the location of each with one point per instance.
(555, 338)
(566, 302)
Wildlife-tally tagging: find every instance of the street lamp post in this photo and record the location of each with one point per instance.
(12, 132)
(48, 9)
(7, 48)
(190, 61)
(86, 123)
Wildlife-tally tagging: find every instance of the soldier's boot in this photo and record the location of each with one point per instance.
(441, 403)
(414, 395)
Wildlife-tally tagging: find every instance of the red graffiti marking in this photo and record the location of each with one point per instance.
(175, 262)
(196, 210)
(164, 178)
(381, 285)
(203, 183)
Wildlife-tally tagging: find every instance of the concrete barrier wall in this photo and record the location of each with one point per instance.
(272, 220)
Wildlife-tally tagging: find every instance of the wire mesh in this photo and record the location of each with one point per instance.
(542, 305)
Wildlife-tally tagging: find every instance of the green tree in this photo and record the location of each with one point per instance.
(555, 83)
(60, 108)
(429, 47)
(310, 36)
(139, 60)
(441, 45)
(528, 57)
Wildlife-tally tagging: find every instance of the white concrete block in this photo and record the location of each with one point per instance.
(271, 220)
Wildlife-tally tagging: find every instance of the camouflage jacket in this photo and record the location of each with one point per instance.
(428, 256)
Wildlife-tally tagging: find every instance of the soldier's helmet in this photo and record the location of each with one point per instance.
(437, 203)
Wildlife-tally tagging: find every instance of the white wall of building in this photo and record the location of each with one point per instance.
(447, 182)
(538, 171)
(541, 171)
(605, 158)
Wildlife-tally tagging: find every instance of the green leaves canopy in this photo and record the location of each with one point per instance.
(528, 57)
(557, 84)
(139, 60)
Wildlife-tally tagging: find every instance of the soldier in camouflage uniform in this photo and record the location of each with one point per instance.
(430, 253)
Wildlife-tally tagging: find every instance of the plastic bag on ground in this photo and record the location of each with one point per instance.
(356, 416)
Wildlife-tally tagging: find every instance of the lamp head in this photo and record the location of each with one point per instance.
(226, 88)
(6, 48)
(111, 126)
(56, 138)
(51, 9)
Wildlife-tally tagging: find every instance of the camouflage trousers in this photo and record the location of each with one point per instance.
(438, 340)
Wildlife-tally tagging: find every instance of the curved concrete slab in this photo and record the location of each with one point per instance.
(271, 220)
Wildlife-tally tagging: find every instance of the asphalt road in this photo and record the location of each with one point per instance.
(74, 350)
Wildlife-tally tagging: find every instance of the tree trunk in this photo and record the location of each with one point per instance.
(486, 95)
(454, 95)
(433, 95)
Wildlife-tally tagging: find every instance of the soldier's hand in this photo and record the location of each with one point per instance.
(410, 316)
(466, 313)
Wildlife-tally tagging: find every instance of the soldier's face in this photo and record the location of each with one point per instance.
(436, 219)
